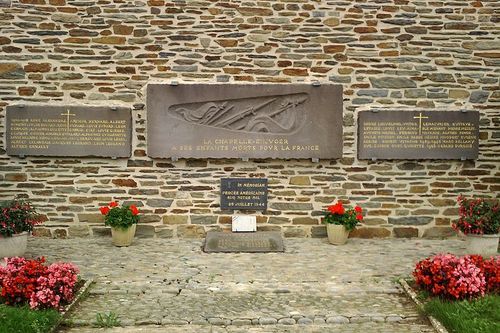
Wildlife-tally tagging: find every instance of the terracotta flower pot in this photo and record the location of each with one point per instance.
(337, 234)
(486, 245)
(123, 237)
(14, 246)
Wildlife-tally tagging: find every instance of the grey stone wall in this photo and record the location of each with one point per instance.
(441, 55)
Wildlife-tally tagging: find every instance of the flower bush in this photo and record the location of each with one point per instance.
(119, 217)
(17, 216)
(346, 216)
(452, 277)
(25, 281)
(478, 216)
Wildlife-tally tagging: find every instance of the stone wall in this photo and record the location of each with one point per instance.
(441, 55)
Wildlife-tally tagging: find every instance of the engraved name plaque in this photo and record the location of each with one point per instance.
(262, 241)
(418, 134)
(37, 130)
(198, 120)
(243, 193)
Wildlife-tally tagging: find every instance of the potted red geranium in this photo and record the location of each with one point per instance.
(479, 221)
(340, 221)
(122, 220)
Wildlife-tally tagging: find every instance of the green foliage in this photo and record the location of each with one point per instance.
(476, 316)
(17, 216)
(107, 320)
(120, 217)
(24, 320)
(478, 216)
(346, 216)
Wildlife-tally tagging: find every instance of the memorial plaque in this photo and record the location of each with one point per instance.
(243, 193)
(43, 130)
(5, 3)
(262, 241)
(418, 134)
(199, 120)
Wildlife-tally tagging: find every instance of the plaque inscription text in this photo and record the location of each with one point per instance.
(68, 131)
(418, 134)
(243, 193)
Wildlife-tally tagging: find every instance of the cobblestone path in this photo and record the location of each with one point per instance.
(159, 285)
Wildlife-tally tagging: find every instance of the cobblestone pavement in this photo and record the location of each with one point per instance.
(159, 285)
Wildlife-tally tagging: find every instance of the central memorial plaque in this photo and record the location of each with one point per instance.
(263, 241)
(54, 130)
(197, 120)
(243, 193)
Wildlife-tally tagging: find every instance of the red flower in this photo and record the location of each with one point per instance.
(104, 210)
(358, 209)
(113, 204)
(359, 217)
(134, 210)
(338, 208)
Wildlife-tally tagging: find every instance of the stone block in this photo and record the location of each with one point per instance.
(318, 231)
(300, 180)
(203, 219)
(144, 231)
(190, 231)
(370, 233)
(439, 232)
(164, 233)
(411, 220)
(78, 231)
(405, 232)
(305, 221)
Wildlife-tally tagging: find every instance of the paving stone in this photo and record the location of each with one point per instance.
(171, 282)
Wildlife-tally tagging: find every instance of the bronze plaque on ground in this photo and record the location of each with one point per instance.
(243, 193)
(399, 134)
(199, 120)
(260, 241)
(46, 130)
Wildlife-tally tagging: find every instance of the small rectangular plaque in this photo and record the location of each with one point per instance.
(244, 223)
(243, 193)
(5, 3)
(47, 130)
(262, 241)
(215, 120)
(399, 134)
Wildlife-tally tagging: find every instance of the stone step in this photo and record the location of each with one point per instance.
(252, 307)
(333, 328)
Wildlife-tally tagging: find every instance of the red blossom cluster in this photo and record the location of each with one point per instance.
(17, 216)
(454, 277)
(25, 281)
(478, 216)
(105, 209)
(346, 216)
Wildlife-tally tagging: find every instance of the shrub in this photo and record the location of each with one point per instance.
(30, 282)
(451, 277)
(478, 216)
(17, 216)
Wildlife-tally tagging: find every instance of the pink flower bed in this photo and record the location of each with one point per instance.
(24, 281)
(454, 277)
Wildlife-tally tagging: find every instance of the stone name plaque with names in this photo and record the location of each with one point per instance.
(400, 134)
(47, 130)
(243, 193)
(201, 120)
(261, 241)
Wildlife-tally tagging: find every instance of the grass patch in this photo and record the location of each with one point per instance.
(477, 316)
(25, 320)
(107, 320)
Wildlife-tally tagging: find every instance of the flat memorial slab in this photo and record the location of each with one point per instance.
(261, 241)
